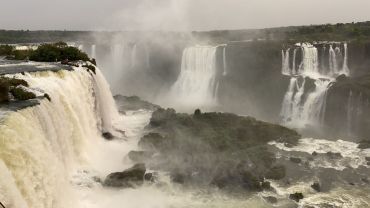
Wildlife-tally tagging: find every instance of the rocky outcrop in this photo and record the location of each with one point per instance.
(220, 149)
(133, 103)
(296, 196)
(131, 177)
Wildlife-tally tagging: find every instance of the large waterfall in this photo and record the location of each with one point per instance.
(304, 104)
(41, 146)
(197, 83)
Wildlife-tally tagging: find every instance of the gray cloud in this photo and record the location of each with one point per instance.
(176, 14)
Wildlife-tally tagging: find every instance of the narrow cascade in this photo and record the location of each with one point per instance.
(105, 102)
(42, 145)
(93, 51)
(345, 69)
(304, 104)
(285, 60)
(196, 85)
(224, 60)
(134, 56)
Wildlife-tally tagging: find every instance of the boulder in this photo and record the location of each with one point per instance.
(108, 135)
(365, 144)
(154, 141)
(295, 159)
(296, 196)
(131, 177)
(316, 186)
(271, 199)
(4, 92)
(334, 155)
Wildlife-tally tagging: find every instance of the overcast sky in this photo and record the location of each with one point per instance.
(176, 14)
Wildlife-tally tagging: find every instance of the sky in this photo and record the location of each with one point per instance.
(176, 15)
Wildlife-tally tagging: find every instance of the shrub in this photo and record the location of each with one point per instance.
(21, 94)
(57, 52)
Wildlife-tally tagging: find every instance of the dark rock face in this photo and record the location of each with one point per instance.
(316, 186)
(295, 159)
(253, 79)
(347, 107)
(296, 196)
(220, 149)
(108, 136)
(133, 103)
(131, 177)
(271, 199)
(365, 144)
(4, 92)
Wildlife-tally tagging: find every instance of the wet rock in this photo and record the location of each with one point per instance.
(271, 199)
(314, 153)
(148, 177)
(4, 92)
(295, 159)
(154, 141)
(316, 186)
(178, 178)
(334, 155)
(367, 159)
(296, 196)
(108, 136)
(139, 156)
(131, 177)
(133, 103)
(365, 144)
(276, 173)
(47, 96)
(266, 185)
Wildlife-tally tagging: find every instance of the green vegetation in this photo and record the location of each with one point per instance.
(21, 94)
(57, 52)
(10, 86)
(45, 53)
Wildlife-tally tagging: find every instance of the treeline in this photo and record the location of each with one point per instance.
(27, 36)
(54, 52)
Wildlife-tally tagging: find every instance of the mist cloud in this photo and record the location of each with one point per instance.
(176, 14)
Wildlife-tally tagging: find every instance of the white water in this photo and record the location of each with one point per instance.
(224, 60)
(352, 155)
(301, 109)
(93, 51)
(40, 146)
(196, 85)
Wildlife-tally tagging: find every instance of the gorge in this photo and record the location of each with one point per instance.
(251, 122)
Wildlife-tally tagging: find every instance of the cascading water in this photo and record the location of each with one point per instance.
(93, 51)
(42, 145)
(196, 85)
(224, 60)
(306, 107)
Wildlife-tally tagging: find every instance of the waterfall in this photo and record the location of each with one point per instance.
(294, 60)
(196, 85)
(224, 61)
(333, 64)
(134, 56)
(41, 145)
(309, 66)
(285, 60)
(93, 51)
(345, 69)
(105, 102)
(302, 108)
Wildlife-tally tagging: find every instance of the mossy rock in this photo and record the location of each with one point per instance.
(21, 94)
